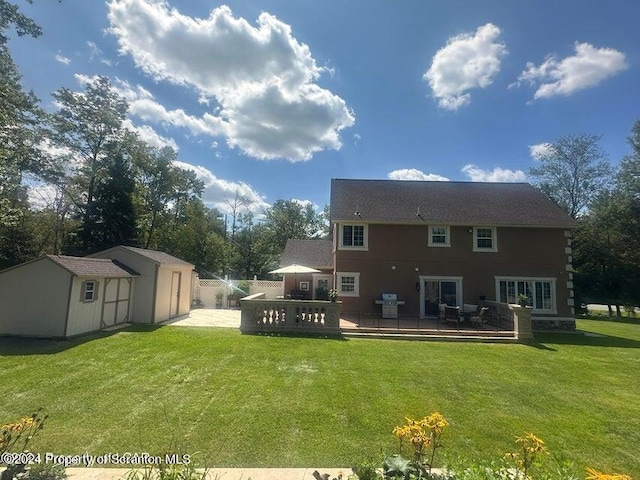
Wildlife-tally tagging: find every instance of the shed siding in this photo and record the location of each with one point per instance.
(84, 317)
(33, 299)
(142, 292)
(163, 298)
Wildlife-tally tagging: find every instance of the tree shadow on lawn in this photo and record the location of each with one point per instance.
(589, 339)
(11, 346)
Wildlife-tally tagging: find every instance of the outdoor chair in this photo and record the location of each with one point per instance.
(469, 308)
(483, 316)
(452, 314)
(441, 307)
(298, 294)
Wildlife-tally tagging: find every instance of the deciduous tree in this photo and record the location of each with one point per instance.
(88, 124)
(572, 172)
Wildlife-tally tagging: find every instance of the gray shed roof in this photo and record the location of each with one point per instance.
(310, 253)
(92, 267)
(160, 258)
(445, 203)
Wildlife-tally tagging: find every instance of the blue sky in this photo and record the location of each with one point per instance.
(272, 99)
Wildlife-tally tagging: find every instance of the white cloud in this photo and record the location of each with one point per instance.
(476, 174)
(41, 195)
(220, 193)
(304, 203)
(62, 59)
(261, 77)
(83, 79)
(587, 68)
(468, 61)
(96, 53)
(414, 174)
(540, 150)
(141, 104)
(148, 135)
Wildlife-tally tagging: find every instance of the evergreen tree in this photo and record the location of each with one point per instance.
(112, 211)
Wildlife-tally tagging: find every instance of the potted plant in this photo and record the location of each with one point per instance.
(322, 293)
(523, 300)
(333, 294)
(219, 300)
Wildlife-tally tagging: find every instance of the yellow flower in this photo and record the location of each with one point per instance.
(532, 444)
(593, 474)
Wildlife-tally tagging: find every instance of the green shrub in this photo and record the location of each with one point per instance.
(367, 471)
(46, 471)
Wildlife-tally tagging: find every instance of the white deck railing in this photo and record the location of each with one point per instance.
(262, 315)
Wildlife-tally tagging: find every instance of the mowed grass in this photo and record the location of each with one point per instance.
(243, 400)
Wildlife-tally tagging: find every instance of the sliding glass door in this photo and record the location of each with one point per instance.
(437, 290)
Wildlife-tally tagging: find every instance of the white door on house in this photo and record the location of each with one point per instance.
(437, 290)
(324, 282)
(174, 307)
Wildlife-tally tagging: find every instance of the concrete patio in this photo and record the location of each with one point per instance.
(78, 473)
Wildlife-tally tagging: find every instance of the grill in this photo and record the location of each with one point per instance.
(389, 304)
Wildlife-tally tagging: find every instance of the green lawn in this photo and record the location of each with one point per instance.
(245, 400)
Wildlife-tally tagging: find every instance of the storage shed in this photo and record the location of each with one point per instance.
(61, 296)
(163, 289)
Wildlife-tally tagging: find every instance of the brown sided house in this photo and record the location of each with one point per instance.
(450, 242)
(312, 253)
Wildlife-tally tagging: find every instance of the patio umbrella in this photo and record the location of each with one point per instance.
(295, 269)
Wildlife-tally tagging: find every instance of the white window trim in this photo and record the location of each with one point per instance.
(356, 286)
(551, 280)
(365, 232)
(447, 235)
(94, 292)
(494, 240)
(304, 286)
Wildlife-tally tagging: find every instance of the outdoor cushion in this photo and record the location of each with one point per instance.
(468, 308)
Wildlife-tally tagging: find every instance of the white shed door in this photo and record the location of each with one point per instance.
(174, 308)
(115, 308)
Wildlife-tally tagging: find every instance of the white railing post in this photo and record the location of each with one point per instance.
(522, 322)
(261, 315)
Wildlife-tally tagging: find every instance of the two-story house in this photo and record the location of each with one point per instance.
(450, 242)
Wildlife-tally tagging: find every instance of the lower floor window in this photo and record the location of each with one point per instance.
(348, 284)
(539, 292)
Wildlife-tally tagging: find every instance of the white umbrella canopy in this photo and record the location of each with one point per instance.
(295, 268)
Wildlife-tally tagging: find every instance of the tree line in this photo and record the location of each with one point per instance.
(101, 185)
(575, 174)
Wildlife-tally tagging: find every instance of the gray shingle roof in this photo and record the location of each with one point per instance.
(158, 257)
(446, 203)
(92, 267)
(310, 253)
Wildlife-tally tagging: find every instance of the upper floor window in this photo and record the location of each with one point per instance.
(485, 239)
(439, 236)
(353, 236)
